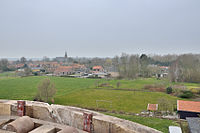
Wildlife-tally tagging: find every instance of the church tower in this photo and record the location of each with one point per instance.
(65, 55)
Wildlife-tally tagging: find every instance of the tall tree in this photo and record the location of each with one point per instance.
(185, 69)
(23, 60)
(46, 90)
(144, 61)
(4, 65)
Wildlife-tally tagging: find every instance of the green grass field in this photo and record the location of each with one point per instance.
(84, 93)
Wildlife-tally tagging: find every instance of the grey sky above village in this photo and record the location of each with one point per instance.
(98, 28)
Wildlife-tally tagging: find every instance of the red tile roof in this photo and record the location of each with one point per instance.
(78, 66)
(190, 106)
(97, 67)
(63, 69)
(152, 107)
(19, 65)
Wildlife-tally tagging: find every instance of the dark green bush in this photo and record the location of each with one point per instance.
(169, 90)
(186, 94)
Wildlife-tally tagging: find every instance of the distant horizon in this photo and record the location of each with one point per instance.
(98, 28)
(40, 58)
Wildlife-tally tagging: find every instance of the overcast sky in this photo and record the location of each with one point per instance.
(98, 28)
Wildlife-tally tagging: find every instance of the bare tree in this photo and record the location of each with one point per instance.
(46, 90)
(128, 65)
(165, 105)
(4, 65)
(185, 69)
(23, 60)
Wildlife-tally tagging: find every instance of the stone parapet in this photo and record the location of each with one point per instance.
(73, 116)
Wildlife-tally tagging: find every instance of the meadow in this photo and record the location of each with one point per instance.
(84, 93)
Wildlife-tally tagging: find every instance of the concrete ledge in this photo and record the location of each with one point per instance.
(73, 116)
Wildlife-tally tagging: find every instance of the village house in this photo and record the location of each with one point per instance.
(78, 68)
(69, 70)
(19, 66)
(163, 72)
(97, 69)
(188, 109)
(63, 71)
(50, 67)
(99, 72)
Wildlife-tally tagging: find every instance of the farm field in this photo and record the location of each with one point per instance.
(85, 93)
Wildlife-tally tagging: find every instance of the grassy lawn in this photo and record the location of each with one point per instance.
(82, 92)
(156, 123)
(26, 87)
(126, 101)
(131, 84)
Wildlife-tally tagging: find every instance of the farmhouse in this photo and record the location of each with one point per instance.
(188, 109)
(97, 69)
(63, 70)
(50, 66)
(78, 68)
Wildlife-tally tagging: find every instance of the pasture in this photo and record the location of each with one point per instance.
(85, 93)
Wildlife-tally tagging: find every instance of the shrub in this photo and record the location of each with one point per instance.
(186, 94)
(165, 105)
(46, 90)
(118, 84)
(169, 90)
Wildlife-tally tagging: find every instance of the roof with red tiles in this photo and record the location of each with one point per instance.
(97, 67)
(78, 66)
(64, 69)
(152, 107)
(189, 106)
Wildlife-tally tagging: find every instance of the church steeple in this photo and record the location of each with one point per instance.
(65, 54)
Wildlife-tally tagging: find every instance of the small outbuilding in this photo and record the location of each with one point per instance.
(188, 109)
(152, 107)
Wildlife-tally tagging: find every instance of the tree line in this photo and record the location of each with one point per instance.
(183, 68)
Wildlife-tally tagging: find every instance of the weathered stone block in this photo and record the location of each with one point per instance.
(5, 109)
(29, 110)
(41, 112)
